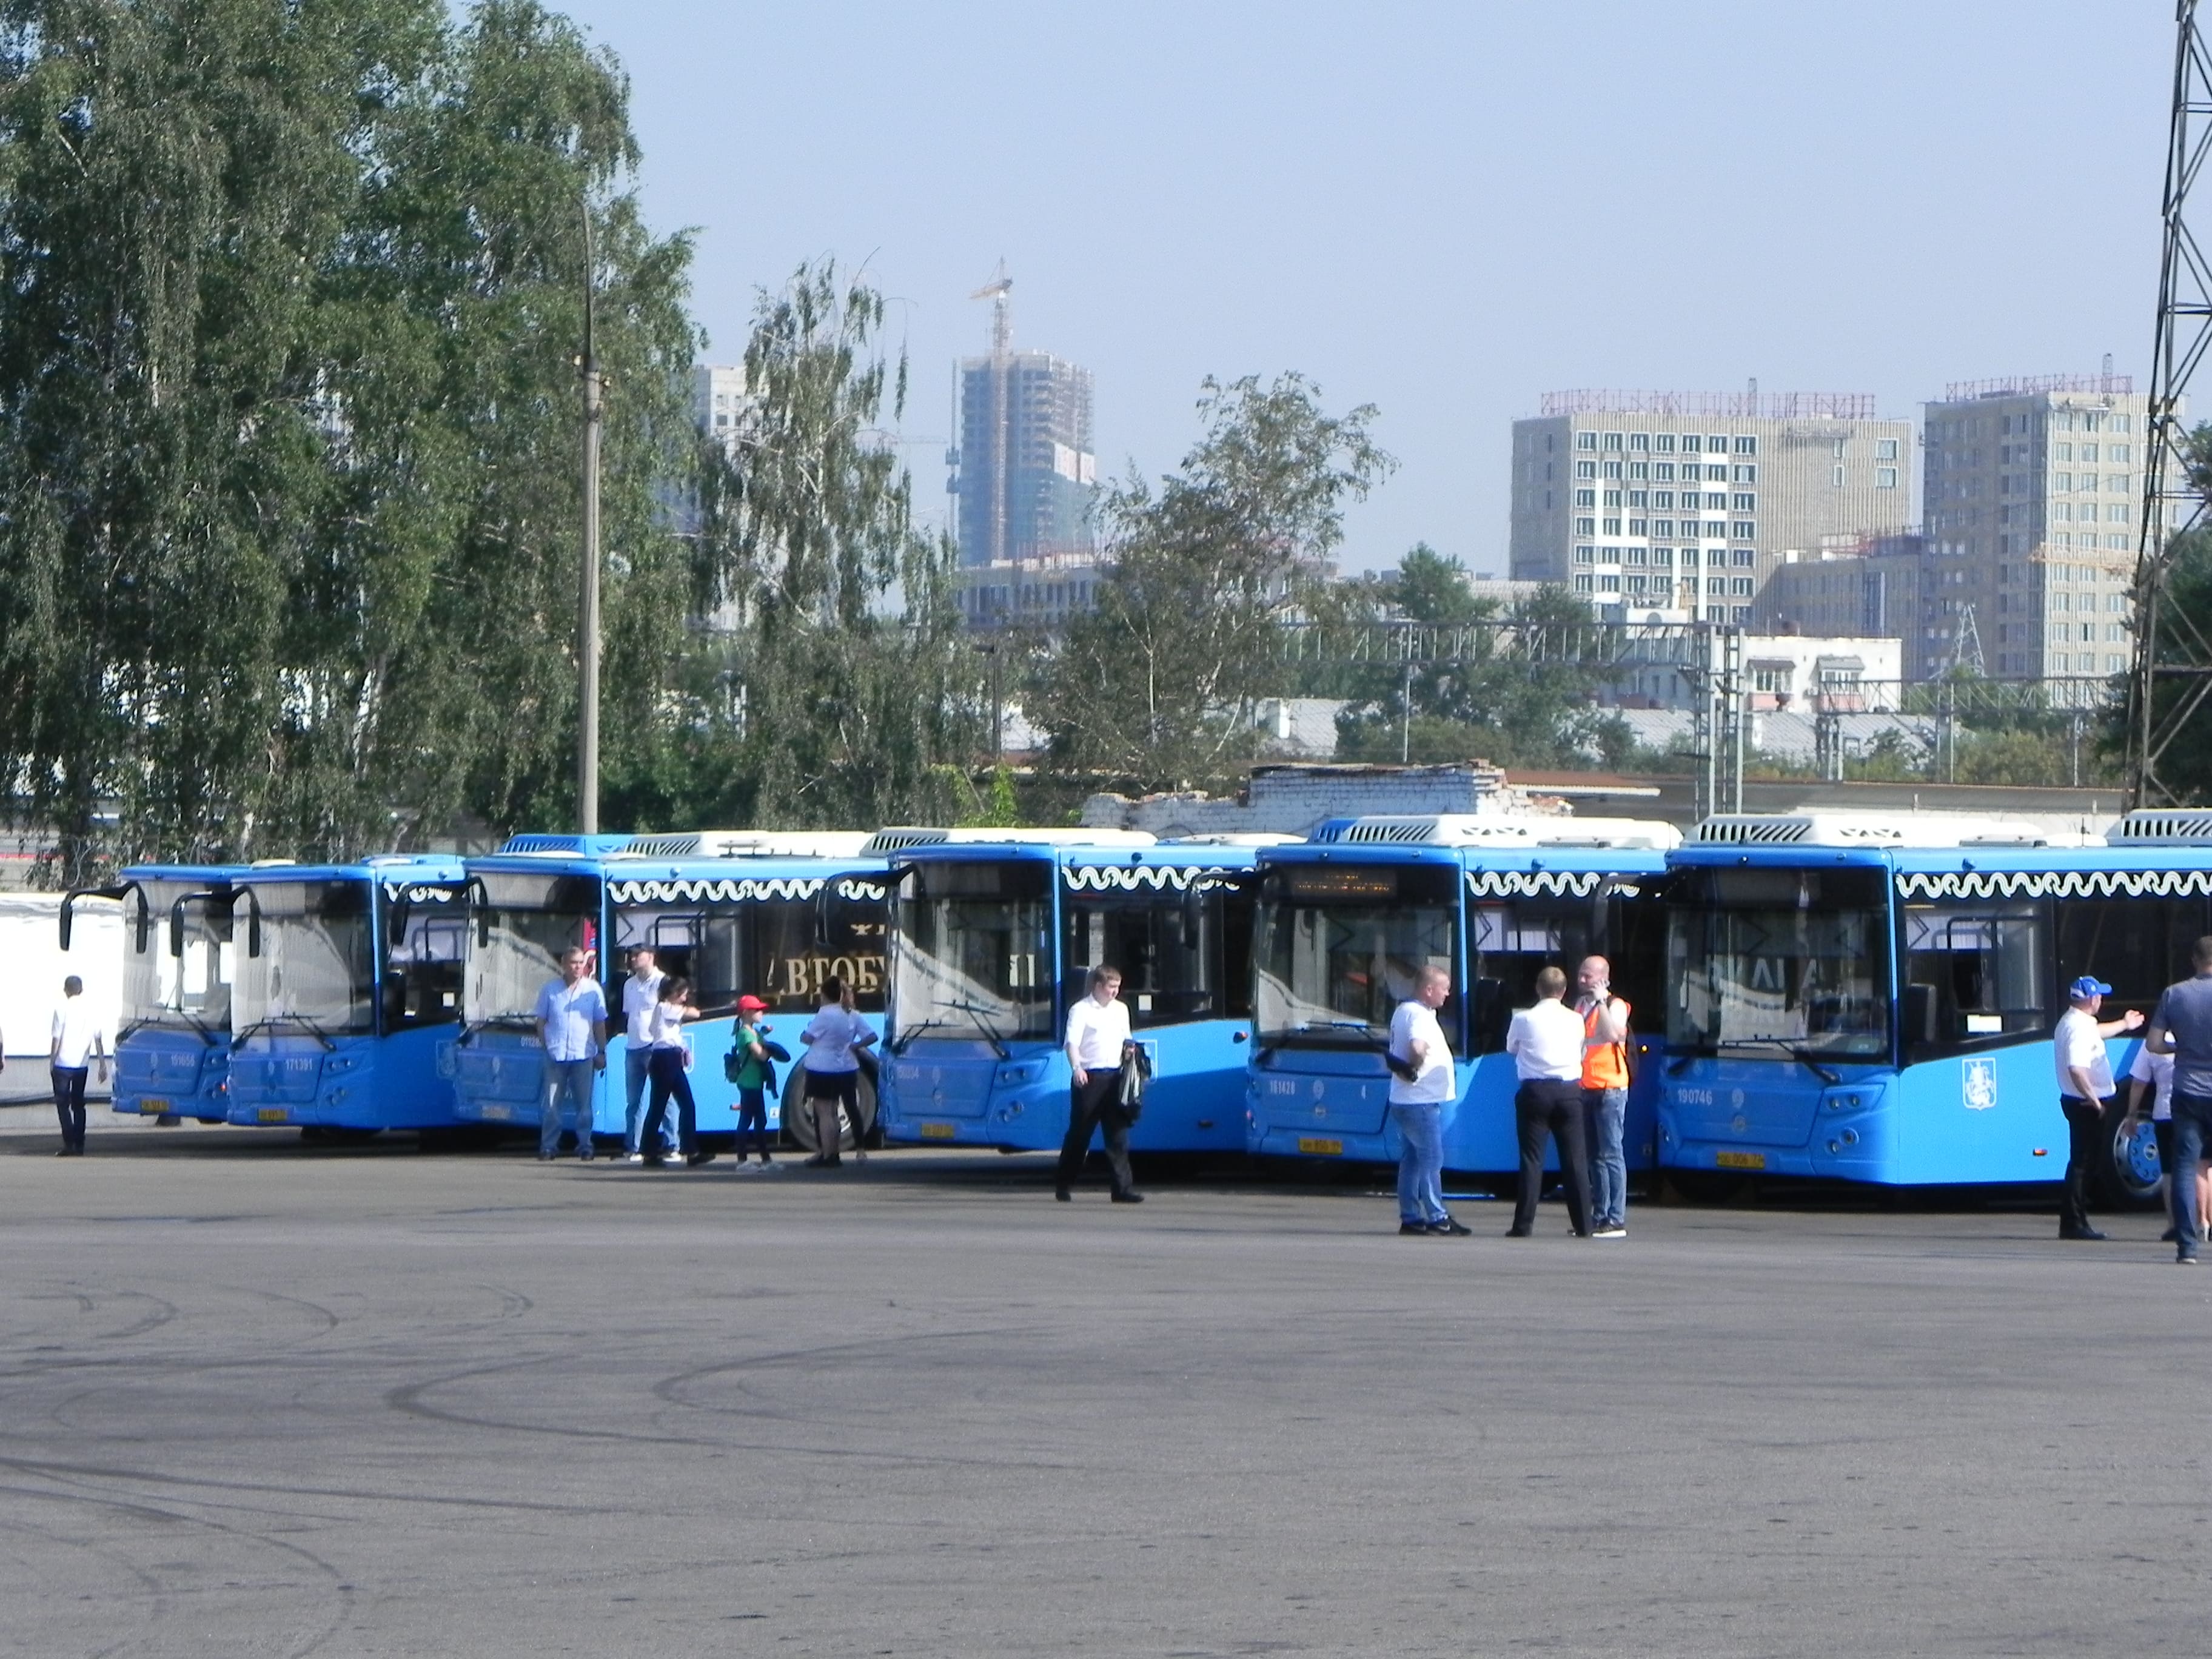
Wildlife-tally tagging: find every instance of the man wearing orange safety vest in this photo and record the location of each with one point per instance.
(1605, 1095)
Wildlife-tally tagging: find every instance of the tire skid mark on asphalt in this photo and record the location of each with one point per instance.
(140, 1510)
(331, 1319)
(161, 1608)
(408, 1399)
(31, 1465)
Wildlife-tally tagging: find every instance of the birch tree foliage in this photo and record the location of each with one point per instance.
(1157, 684)
(288, 420)
(835, 687)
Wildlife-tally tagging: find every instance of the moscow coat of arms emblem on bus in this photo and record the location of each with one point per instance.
(1979, 1085)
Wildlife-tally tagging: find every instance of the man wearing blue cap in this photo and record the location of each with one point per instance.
(2085, 1084)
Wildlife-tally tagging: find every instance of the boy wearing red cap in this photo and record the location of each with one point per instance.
(752, 1079)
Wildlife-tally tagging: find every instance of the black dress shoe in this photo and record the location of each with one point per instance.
(1449, 1228)
(1517, 1232)
(654, 1161)
(2088, 1234)
(695, 1159)
(1063, 1194)
(1128, 1198)
(1413, 1230)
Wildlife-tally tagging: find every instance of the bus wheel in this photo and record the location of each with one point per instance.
(798, 1114)
(1705, 1186)
(2128, 1175)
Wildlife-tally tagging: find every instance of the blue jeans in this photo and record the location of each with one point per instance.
(1605, 1115)
(2193, 1131)
(1421, 1161)
(637, 1062)
(569, 1081)
(752, 1123)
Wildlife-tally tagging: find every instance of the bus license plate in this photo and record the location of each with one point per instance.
(938, 1131)
(271, 1115)
(498, 1114)
(1739, 1160)
(150, 1107)
(1322, 1148)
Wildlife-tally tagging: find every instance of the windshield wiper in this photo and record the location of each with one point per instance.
(1803, 1056)
(983, 1024)
(275, 1020)
(1376, 1042)
(517, 1022)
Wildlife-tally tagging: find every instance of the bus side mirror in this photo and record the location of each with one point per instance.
(252, 919)
(1920, 1008)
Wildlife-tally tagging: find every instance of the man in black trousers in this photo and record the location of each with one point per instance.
(1098, 1032)
(1546, 1043)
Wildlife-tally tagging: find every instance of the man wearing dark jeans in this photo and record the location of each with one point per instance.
(2182, 1027)
(1097, 1031)
(1546, 1045)
(77, 1045)
(2085, 1084)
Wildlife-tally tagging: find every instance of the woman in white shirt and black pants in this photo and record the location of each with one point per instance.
(1098, 1032)
(667, 1068)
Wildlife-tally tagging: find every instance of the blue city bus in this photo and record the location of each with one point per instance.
(347, 976)
(172, 1042)
(732, 911)
(1870, 997)
(1348, 920)
(994, 936)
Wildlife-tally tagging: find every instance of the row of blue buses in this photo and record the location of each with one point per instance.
(1865, 998)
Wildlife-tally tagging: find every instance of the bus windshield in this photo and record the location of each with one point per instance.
(307, 965)
(1778, 961)
(526, 921)
(972, 956)
(186, 993)
(1338, 947)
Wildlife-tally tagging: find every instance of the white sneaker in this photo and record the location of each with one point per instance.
(859, 1157)
(1610, 1232)
(769, 1169)
(637, 1158)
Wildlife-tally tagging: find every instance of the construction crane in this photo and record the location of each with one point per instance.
(2173, 650)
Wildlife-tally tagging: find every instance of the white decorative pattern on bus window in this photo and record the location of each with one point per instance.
(2053, 884)
(400, 892)
(717, 891)
(1130, 878)
(1534, 883)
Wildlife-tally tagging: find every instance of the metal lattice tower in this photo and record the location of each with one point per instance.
(2173, 651)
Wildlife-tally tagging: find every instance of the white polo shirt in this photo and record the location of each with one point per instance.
(1546, 1043)
(1095, 1035)
(1416, 1021)
(2076, 1042)
(76, 1026)
(639, 998)
(2157, 1070)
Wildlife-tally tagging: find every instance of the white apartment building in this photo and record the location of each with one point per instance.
(2033, 500)
(718, 398)
(1682, 503)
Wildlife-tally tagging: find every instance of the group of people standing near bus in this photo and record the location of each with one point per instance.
(572, 1023)
(1571, 1064)
(2173, 1070)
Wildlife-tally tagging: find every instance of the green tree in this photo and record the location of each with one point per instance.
(288, 417)
(1157, 685)
(836, 688)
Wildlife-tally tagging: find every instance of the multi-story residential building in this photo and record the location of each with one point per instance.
(2034, 495)
(1892, 585)
(1686, 503)
(718, 398)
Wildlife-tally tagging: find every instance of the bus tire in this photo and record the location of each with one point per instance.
(798, 1118)
(1707, 1186)
(2127, 1172)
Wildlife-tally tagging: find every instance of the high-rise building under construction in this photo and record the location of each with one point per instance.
(1023, 474)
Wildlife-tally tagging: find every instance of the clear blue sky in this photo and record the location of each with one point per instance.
(1441, 210)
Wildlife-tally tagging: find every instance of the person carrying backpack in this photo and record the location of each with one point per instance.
(752, 1068)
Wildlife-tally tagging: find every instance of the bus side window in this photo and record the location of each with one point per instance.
(1975, 974)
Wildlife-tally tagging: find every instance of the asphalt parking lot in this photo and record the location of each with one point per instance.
(264, 1399)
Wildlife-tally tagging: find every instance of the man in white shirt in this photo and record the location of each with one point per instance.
(1421, 1081)
(572, 1025)
(641, 992)
(1546, 1045)
(2151, 1078)
(1097, 1031)
(77, 1043)
(2085, 1084)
